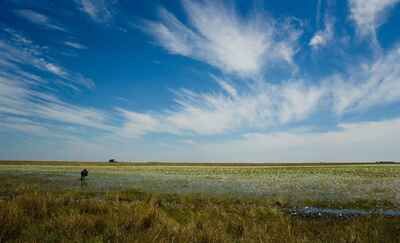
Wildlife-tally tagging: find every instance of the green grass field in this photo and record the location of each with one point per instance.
(47, 202)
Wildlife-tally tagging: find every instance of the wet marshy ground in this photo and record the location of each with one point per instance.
(341, 212)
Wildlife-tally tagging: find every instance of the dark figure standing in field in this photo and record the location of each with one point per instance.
(84, 173)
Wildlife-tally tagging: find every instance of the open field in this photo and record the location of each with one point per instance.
(296, 184)
(46, 202)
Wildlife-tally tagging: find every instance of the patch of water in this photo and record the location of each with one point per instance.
(341, 212)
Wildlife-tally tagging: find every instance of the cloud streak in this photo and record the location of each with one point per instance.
(98, 10)
(26, 97)
(219, 36)
(20, 51)
(39, 19)
(75, 45)
(372, 84)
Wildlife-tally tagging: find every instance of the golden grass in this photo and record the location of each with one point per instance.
(27, 215)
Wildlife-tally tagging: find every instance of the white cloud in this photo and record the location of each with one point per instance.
(297, 101)
(260, 107)
(53, 68)
(75, 45)
(17, 53)
(98, 10)
(26, 97)
(368, 15)
(318, 40)
(172, 34)
(219, 36)
(347, 144)
(23, 125)
(20, 99)
(227, 87)
(39, 19)
(323, 37)
(374, 83)
(136, 124)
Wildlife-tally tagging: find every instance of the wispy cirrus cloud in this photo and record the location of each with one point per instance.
(368, 15)
(373, 83)
(75, 45)
(228, 110)
(19, 51)
(98, 10)
(39, 19)
(323, 37)
(221, 37)
(325, 27)
(25, 95)
(19, 99)
(137, 124)
(261, 106)
(256, 104)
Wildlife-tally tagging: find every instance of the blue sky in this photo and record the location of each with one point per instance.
(226, 81)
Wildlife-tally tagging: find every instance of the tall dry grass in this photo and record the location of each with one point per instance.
(28, 215)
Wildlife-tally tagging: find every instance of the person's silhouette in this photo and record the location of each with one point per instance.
(84, 173)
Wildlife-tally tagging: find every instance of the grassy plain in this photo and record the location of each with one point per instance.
(46, 202)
